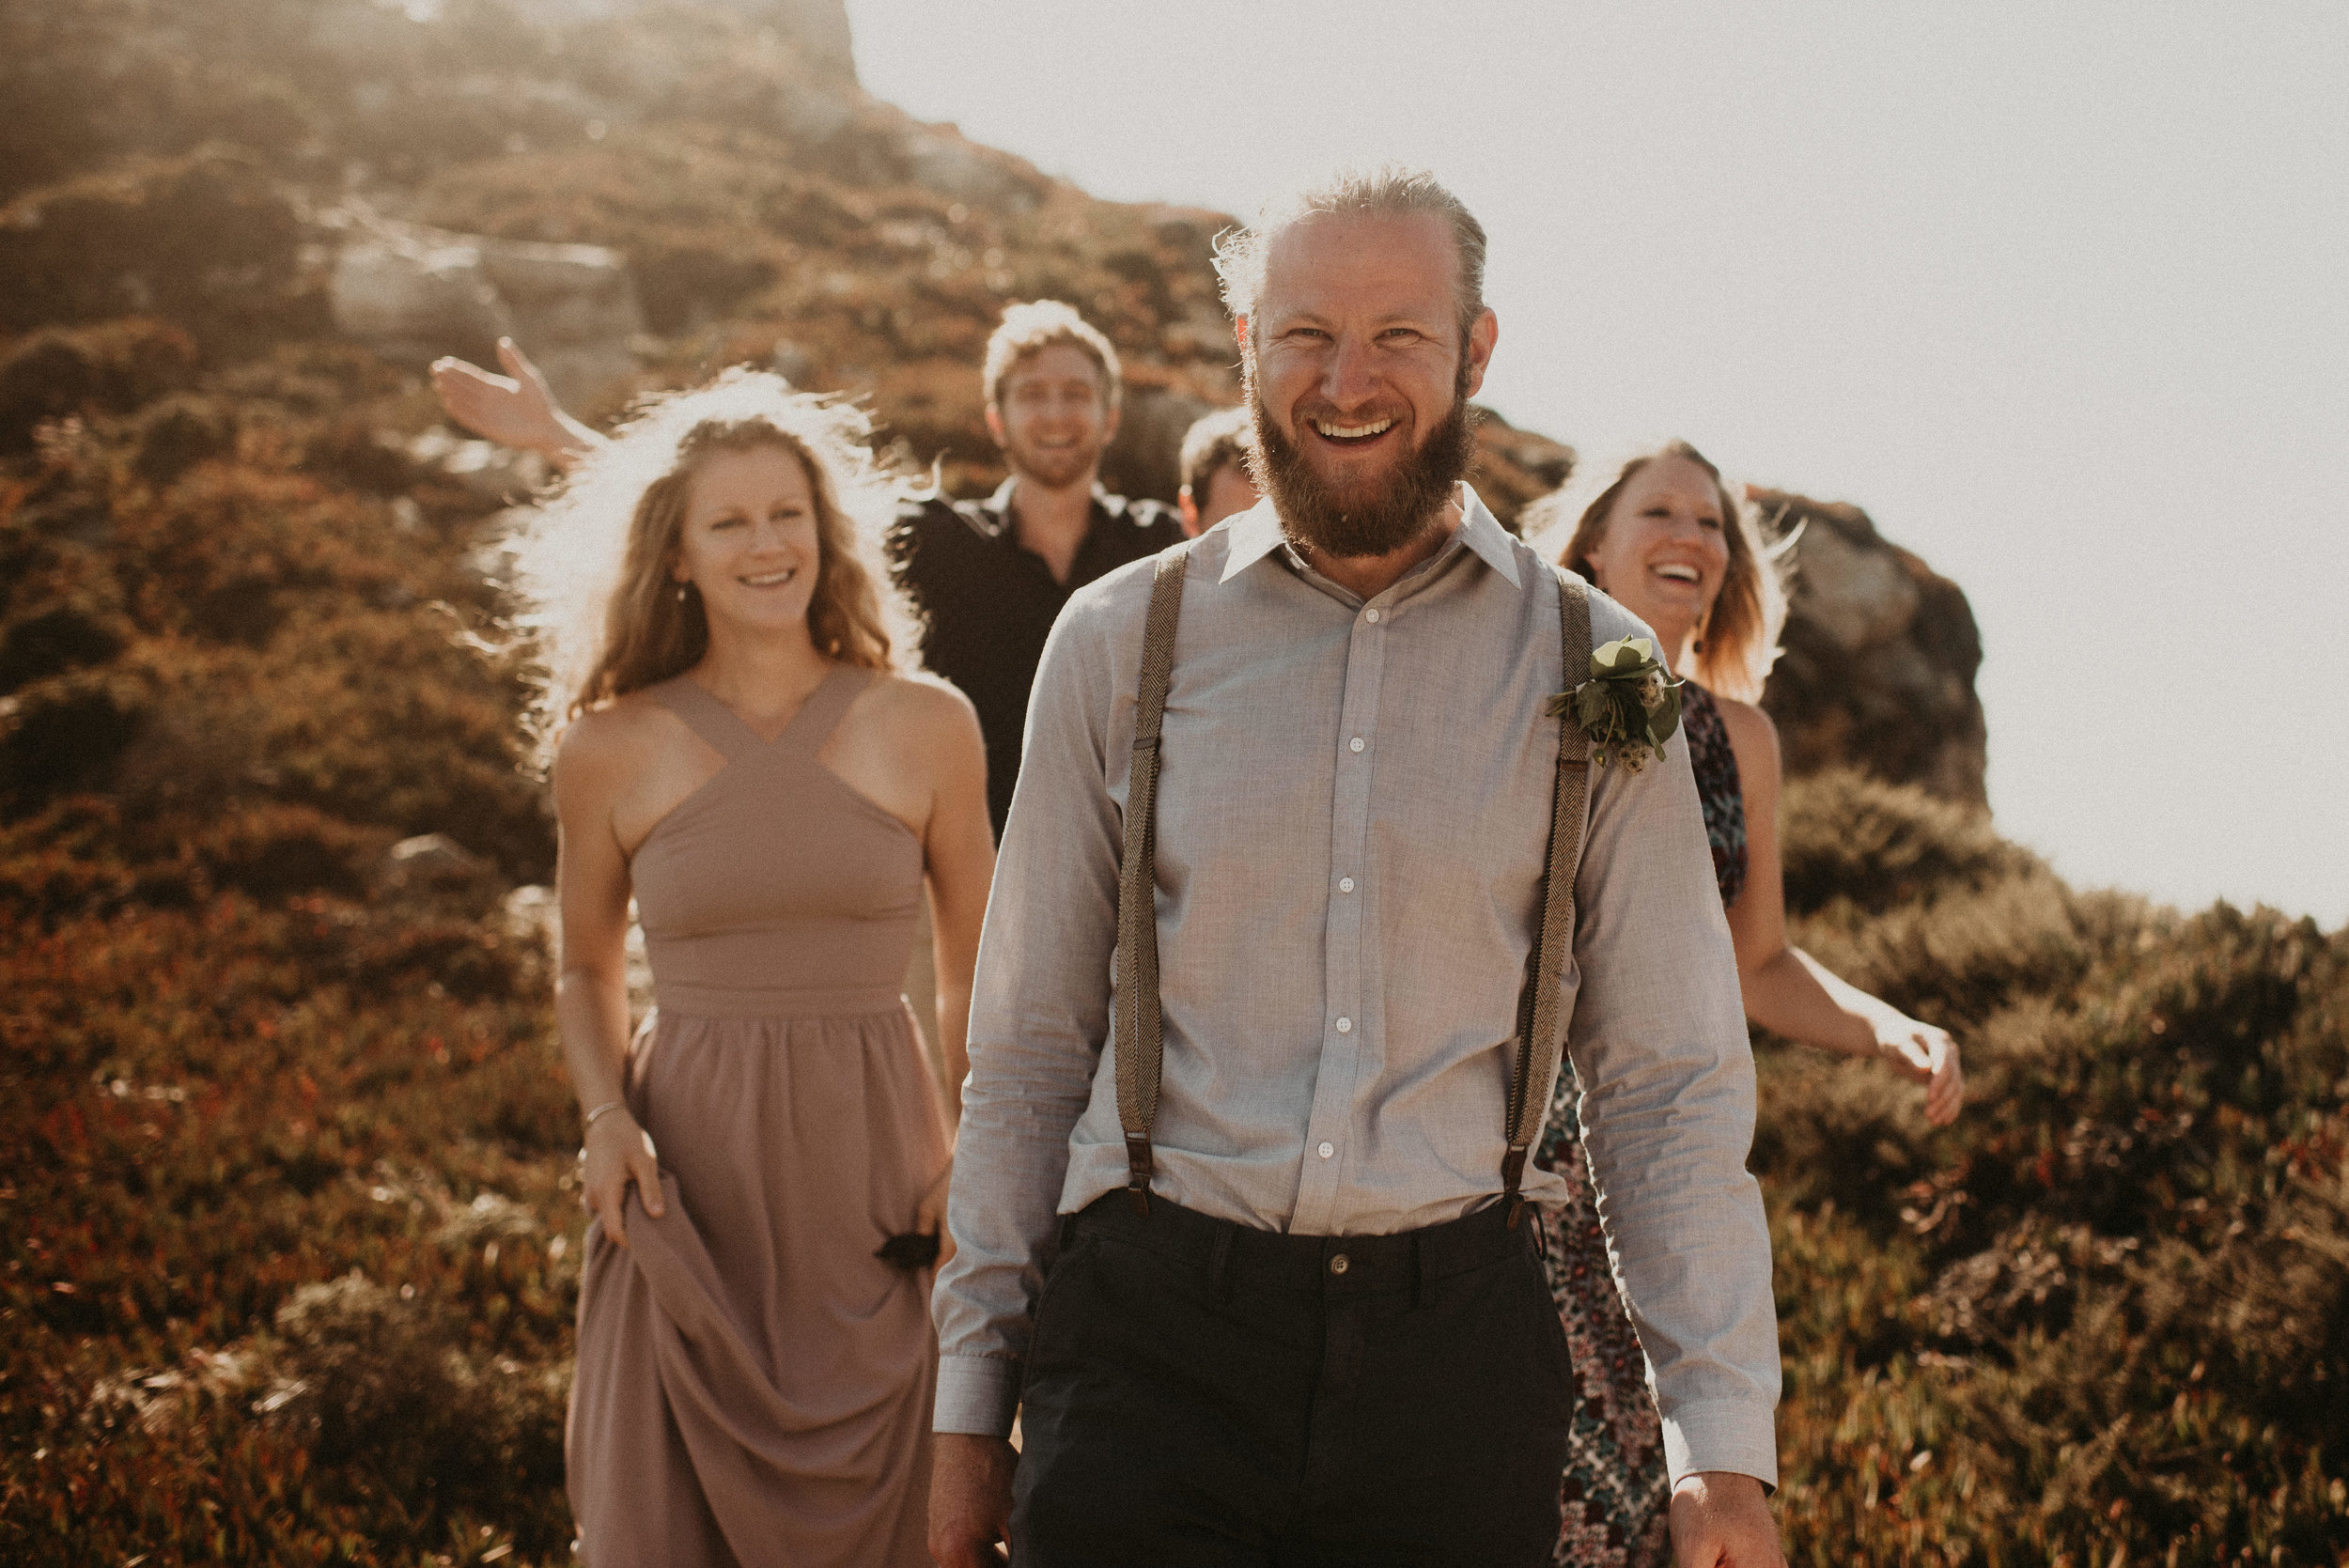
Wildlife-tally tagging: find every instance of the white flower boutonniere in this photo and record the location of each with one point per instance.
(1628, 707)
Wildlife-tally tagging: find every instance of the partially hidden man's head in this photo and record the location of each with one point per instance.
(1214, 464)
(1364, 332)
(1052, 392)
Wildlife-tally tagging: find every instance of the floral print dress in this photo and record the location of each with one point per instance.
(1614, 1502)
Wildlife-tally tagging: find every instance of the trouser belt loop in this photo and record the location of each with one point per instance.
(1419, 1283)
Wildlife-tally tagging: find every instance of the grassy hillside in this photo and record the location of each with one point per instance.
(290, 1246)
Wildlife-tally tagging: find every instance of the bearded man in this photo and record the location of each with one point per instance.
(1248, 1265)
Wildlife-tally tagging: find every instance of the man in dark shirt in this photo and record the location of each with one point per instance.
(990, 575)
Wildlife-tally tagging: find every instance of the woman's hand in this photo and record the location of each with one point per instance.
(618, 1154)
(929, 1216)
(514, 410)
(1928, 1055)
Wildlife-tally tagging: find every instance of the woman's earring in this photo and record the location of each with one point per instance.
(680, 591)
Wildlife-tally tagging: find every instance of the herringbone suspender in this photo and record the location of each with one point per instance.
(1540, 1041)
(1140, 1044)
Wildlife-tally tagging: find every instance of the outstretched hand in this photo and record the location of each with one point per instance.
(514, 410)
(1720, 1519)
(1929, 1056)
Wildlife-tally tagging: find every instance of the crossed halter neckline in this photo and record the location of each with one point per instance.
(731, 735)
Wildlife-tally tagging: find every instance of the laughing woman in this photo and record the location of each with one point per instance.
(1668, 542)
(740, 749)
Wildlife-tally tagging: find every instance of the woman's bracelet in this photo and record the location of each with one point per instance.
(590, 1120)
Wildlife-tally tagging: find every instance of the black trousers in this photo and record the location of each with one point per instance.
(1201, 1393)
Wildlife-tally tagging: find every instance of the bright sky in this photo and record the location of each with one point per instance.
(2060, 294)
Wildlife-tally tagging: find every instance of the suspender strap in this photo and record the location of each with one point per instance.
(1139, 1040)
(1540, 1041)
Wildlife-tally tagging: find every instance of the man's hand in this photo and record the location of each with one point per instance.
(514, 410)
(970, 1500)
(1720, 1520)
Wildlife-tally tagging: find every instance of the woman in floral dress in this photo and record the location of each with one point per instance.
(1668, 541)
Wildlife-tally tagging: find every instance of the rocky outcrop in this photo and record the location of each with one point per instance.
(1880, 654)
(1515, 468)
(413, 294)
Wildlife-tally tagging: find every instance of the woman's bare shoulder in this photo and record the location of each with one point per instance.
(1746, 723)
(607, 744)
(920, 698)
(1753, 738)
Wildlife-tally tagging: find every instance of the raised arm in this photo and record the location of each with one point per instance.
(1786, 991)
(514, 410)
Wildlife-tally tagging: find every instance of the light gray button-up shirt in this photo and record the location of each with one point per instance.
(1353, 809)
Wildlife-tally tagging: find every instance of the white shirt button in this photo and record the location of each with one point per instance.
(1326, 1150)
(1346, 884)
(1355, 744)
(1345, 1026)
(1371, 615)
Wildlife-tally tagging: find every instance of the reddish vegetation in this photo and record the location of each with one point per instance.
(289, 1250)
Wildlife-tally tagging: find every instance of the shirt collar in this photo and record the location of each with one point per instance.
(1000, 503)
(1257, 533)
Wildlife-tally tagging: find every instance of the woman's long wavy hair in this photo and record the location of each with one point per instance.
(1738, 642)
(592, 566)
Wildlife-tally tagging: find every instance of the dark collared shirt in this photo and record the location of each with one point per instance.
(991, 602)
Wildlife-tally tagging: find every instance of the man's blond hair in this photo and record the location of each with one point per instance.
(1390, 191)
(1214, 443)
(1030, 328)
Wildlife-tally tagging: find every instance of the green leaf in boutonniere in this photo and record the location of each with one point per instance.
(1628, 707)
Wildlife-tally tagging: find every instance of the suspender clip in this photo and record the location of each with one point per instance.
(1138, 1167)
(1512, 1175)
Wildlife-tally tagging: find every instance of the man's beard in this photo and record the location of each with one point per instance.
(1377, 524)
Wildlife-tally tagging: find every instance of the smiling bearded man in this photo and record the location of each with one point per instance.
(1374, 516)
(1248, 1263)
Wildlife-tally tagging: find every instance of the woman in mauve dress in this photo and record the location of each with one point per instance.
(1667, 541)
(739, 747)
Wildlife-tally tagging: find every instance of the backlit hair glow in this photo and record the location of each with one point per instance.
(592, 565)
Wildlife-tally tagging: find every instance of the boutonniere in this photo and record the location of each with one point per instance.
(1628, 707)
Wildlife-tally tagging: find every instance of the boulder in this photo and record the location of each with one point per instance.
(413, 294)
(492, 475)
(1880, 654)
(433, 866)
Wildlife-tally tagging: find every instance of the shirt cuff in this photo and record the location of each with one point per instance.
(1719, 1434)
(977, 1394)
